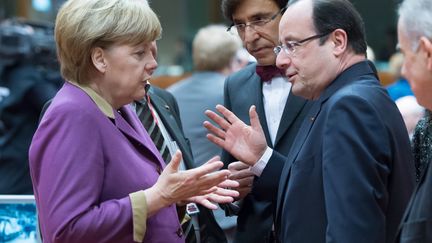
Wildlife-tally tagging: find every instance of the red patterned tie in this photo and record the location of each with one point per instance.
(267, 72)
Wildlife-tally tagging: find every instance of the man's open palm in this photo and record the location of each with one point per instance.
(246, 143)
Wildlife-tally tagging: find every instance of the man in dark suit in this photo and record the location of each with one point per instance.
(414, 25)
(256, 22)
(202, 226)
(349, 174)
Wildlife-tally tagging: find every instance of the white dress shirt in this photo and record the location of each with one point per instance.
(275, 95)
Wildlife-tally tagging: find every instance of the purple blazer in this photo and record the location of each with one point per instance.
(84, 165)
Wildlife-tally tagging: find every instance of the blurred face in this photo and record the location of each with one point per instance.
(309, 66)
(259, 40)
(127, 70)
(417, 66)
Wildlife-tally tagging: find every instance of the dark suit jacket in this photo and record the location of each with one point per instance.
(242, 90)
(349, 175)
(417, 224)
(168, 111)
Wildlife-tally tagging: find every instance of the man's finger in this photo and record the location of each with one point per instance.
(226, 192)
(220, 198)
(230, 116)
(216, 140)
(229, 183)
(241, 174)
(214, 130)
(238, 165)
(220, 121)
(245, 182)
(254, 119)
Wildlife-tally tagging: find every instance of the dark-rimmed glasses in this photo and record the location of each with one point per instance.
(256, 24)
(290, 47)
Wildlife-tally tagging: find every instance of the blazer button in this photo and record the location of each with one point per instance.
(179, 232)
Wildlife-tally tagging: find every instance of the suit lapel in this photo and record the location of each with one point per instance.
(292, 108)
(165, 111)
(258, 101)
(132, 129)
(295, 149)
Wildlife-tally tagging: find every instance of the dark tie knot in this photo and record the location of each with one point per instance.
(268, 72)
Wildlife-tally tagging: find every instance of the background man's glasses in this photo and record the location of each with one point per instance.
(291, 46)
(256, 24)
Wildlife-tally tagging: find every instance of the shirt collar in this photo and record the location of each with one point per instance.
(100, 102)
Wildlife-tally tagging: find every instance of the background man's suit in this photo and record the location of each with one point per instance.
(243, 89)
(167, 109)
(349, 175)
(194, 95)
(417, 223)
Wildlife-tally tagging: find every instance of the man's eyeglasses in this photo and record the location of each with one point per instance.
(256, 24)
(291, 46)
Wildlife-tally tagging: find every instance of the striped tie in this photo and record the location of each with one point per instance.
(147, 117)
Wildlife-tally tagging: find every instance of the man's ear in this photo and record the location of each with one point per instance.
(98, 59)
(426, 47)
(339, 39)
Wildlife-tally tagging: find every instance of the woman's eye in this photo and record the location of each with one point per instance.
(140, 53)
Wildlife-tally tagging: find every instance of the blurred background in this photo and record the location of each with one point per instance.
(182, 18)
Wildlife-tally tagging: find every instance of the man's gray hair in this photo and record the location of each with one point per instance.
(416, 19)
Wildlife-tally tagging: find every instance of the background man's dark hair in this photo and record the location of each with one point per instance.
(329, 15)
(229, 6)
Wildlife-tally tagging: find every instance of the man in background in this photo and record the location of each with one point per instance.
(415, 42)
(214, 53)
(280, 111)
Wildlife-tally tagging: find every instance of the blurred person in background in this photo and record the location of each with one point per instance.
(370, 54)
(411, 112)
(280, 111)
(241, 60)
(415, 42)
(29, 77)
(214, 53)
(400, 87)
(97, 175)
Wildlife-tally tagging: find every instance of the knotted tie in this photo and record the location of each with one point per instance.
(267, 72)
(147, 116)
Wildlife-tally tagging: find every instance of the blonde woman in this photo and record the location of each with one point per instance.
(97, 175)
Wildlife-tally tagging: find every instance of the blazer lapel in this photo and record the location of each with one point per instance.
(295, 149)
(133, 129)
(292, 108)
(258, 101)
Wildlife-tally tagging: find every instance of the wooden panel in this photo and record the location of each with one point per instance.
(386, 78)
(164, 81)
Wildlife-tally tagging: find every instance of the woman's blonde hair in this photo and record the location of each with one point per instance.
(84, 24)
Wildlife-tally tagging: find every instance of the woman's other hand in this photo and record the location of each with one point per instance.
(174, 185)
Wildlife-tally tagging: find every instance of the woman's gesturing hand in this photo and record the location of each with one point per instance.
(199, 185)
